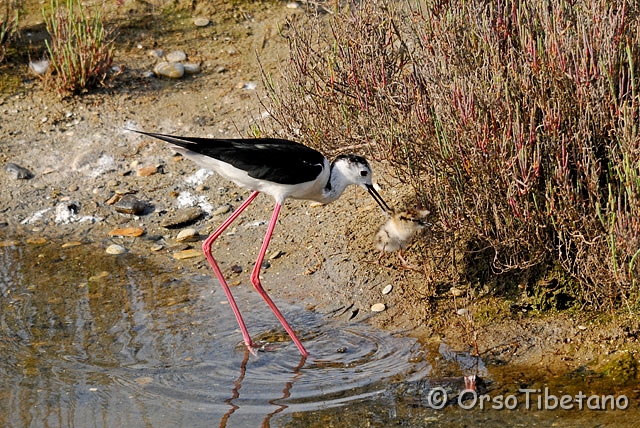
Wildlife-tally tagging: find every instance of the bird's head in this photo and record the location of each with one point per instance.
(356, 170)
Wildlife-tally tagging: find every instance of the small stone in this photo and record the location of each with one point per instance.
(236, 269)
(144, 380)
(378, 307)
(249, 86)
(187, 254)
(276, 254)
(456, 292)
(201, 21)
(156, 247)
(222, 209)
(387, 289)
(582, 327)
(187, 235)
(191, 68)
(37, 241)
(293, 5)
(148, 74)
(146, 171)
(71, 244)
(157, 53)
(112, 200)
(102, 275)
(39, 67)
(462, 311)
(129, 204)
(18, 172)
(173, 70)
(115, 249)
(8, 243)
(182, 218)
(127, 231)
(73, 188)
(221, 69)
(176, 56)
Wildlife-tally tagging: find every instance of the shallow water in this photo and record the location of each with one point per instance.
(88, 339)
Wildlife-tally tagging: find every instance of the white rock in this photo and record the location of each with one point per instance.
(378, 307)
(174, 70)
(176, 56)
(201, 22)
(39, 67)
(387, 289)
(462, 311)
(187, 235)
(115, 249)
(191, 68)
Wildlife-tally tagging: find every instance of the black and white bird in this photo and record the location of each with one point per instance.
(398, 231)
(281, 168)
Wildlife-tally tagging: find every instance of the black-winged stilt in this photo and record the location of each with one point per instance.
(398, 231)
(282, 169)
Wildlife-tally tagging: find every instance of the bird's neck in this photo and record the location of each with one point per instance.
(335, 186)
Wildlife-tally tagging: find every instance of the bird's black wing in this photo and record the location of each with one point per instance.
(272, 159)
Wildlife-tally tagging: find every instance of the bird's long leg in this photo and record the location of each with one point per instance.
(255, 280)
(206, 248)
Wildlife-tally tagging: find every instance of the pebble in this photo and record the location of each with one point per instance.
(37, 241)
(236, 269)
(275, 255)
(18, 172)
(71, 244)
(102, 275)
(456, 292)
(221, 69)
(462, 311)
(201, 22)
(115, 249)
(129, 204)
(293, 5)
(39, 67)
(187, 254)
(156, 247)
(173, 70)
(8, 243)
(73, 188)
(387, 289)
(127, 231)
(181, 218)
(378, 307)
(146, 171)
(176, 56)
(158, 53)
(187, 235)
(250, 86)
(222, 209)
(191, 68)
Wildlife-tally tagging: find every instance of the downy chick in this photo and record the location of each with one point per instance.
(398, 231)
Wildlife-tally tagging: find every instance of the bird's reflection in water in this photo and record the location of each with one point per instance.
(237, 385)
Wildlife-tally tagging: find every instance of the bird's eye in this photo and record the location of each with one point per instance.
(364, 173)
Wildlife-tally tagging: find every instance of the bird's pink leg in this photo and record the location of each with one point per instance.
(255, 280)
(206, 247)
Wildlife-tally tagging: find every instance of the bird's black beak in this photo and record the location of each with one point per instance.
(376, 196)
